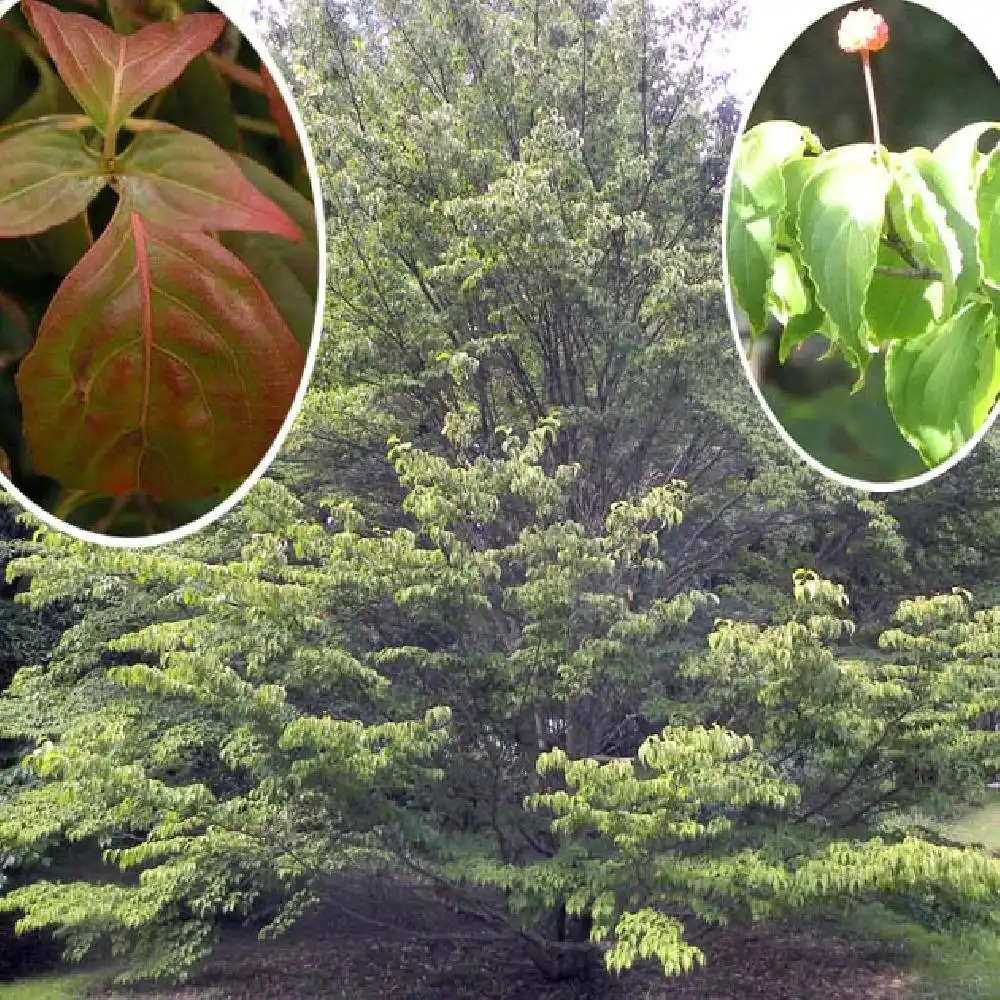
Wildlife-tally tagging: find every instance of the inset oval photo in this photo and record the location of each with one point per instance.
(160, 264)
(862, 244)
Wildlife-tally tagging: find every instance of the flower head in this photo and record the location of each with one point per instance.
(863, 31)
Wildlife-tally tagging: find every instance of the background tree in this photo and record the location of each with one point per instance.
(531, 194)
(478, 657)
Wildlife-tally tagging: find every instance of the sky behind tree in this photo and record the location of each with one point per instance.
(771, 26)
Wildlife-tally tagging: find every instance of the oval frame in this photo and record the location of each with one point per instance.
(937, 7)
(240, 16)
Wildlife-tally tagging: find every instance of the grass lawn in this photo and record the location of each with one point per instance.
(68, 986)
(981, 826)
(960, 966)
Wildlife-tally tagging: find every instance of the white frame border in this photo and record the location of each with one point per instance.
(948, 11)
(240, 17)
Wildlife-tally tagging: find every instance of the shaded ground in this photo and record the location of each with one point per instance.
(340, 955)
(20, 955)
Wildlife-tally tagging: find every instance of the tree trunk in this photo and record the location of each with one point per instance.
(561, 963)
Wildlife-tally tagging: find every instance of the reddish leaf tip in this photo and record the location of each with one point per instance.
(109, 74)
(183, 180)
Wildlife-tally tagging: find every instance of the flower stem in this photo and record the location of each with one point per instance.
(869, 84)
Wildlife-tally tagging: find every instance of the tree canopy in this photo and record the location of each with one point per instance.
(514, 615)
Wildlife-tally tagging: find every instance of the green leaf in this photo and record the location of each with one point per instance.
(988, 387)
(841, 213)
(54, 252)
(791, 299)
(301, 257)
(182, 180)
(787, 294)
(958, 163)
(294, 301)
(920, 221)
(988, 207)
(12, 64)
(51, 97)
(756, 202)
(62, 246)
(288, 271)
(794, 173)
(938, 385)
(47, 176)
(161, 367)
(200, 102)
(899, 308)
(800, 328)
(952, 171)
(15, 331)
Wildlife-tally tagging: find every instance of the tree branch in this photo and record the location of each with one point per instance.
(922, 273)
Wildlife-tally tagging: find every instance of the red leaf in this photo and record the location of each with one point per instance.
(160, 367)
(280, 114)
(185, 181)
(111, 75)
(288, 271)
(47, 176)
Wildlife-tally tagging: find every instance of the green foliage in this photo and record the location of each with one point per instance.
(758, 197)
(718, 826)
(939, 384)
(880, 253)
(527, 222)
(331, 752)
(204, 780)
(477, 657)
(870, 728)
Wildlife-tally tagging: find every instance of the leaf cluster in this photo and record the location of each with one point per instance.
(881, 253)
(153, 366)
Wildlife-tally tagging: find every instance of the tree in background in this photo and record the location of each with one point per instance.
(524, 208)
(478, 658)
(483, 703)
